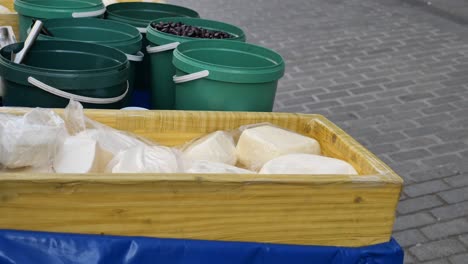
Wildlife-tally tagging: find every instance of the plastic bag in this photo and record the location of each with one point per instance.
(124, 150)
(217, 147)
(147, 159)
(31, 140)
(205, 166)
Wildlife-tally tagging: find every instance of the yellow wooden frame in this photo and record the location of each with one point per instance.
(338, 210)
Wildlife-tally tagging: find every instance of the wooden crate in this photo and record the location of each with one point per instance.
(334, 210)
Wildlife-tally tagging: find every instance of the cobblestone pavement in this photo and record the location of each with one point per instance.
(396, 78)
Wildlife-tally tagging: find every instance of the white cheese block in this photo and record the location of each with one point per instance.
(111, 140)
(307, 164)
(204, 166)
(260, 144)
(77, 155)
(216, 147)
(30, 140)
(146, 159)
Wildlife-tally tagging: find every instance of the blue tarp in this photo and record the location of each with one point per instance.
(22, 247)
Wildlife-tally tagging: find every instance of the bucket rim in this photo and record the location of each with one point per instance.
(222, 72)
(133, 35)
(33, 9)
(112, 8)
(123, 61)
(160, 38)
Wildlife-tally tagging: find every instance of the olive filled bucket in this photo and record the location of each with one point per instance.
(139, 15)
(223, 75)
(53, 72)
(161, 50)
(47, 9)
(114, 34)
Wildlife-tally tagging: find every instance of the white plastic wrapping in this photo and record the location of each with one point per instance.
(307, 164)
(110, 143)
(31, 140)
(41, 141)
(147, 159)
(217, 147)
(261, 143)
(205, 166)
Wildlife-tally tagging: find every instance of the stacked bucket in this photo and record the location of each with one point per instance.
(113, 57)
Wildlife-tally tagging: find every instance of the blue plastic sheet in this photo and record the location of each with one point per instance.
(19, 247)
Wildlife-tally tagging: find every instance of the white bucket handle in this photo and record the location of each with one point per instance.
(89, 14)
(75, 97)
(141, 30)
(137, 57)
(162, 48)
(191, 77)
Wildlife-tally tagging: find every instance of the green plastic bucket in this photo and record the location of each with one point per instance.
(139, 15)
(104, 32)
(225, 75)
(46, 9)
(54, 72)
(162, 69)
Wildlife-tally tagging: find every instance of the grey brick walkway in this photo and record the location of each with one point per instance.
(396, 78)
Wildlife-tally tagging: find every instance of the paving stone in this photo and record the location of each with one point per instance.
(375, 112)
(445, 229)
(341, 87)
(438, 109)
(357, 99)
(415, 96)
(442, 160)
(419, 142)
(451, 211)
(367, 89)
(417, 204)
(424, 130)
(413, 220)
(375, 81)
(323, 104)
(408, 259)
(437, 249)
(383, 148)
(298, 101)
(448, 147)
(424, 188)
(332, 95)
(398, 84)
(437, 261)
(387, 137)
(458, 180)
(459, 259)
(455, 196)
(435, 119)
(464, 239)
(410, 154)
(409, 237)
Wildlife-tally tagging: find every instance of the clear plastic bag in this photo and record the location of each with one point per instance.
(31, 140)
(218, 146)
(209, 167)
(116, 151)
(147, 159)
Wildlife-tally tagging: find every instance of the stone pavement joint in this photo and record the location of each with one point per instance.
(395, 77)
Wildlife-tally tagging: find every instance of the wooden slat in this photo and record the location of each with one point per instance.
(337, 210)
